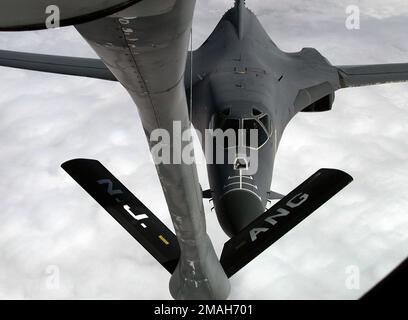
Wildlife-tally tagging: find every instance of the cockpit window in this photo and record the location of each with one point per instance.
(231, 124)
(253, 124)
(266, 123)
(226, 125)
(260, 123)
(256, 112)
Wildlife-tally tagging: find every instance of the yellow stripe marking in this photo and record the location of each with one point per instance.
(164, 240)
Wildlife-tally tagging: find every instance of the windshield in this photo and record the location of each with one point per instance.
(260, 123)
(226, 125)
(262, 134)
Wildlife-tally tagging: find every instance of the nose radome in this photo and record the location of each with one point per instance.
(238, 208)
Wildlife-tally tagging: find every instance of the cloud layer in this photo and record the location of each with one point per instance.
(47, 220)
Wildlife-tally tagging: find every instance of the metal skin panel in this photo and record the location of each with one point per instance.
(148, 56)
(366, 75)
(281, 218)
(84, 67)
(127, 210)
(240, 68)
(33, 15)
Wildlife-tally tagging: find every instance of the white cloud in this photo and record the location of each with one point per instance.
(48, 119)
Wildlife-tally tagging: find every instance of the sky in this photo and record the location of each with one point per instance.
(57, 243)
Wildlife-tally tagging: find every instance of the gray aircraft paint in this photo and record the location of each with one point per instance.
(31, 15)
(136, 50)
(238, 67)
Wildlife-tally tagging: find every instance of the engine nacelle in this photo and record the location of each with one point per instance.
(324, 104)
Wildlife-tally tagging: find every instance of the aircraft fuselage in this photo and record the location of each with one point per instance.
(242, 92)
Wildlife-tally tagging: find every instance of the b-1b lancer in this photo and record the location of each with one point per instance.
(237, 81)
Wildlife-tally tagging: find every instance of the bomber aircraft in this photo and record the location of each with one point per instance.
(239, 82)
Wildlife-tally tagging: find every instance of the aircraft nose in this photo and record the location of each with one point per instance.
(238, 208)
